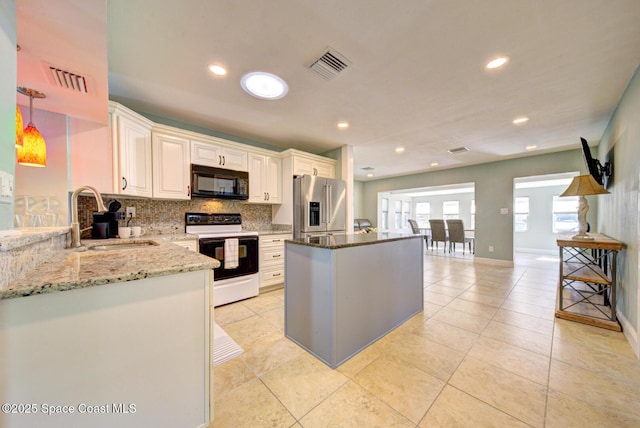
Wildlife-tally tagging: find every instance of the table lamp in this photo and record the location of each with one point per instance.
(580, 186)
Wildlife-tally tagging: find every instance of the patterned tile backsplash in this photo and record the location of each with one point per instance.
(165, 217)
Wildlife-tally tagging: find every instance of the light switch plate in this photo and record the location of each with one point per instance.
(504, 210)
(6, 188)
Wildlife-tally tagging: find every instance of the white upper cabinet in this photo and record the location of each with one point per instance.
(265, 179)
(131, 136)
(313, 166)
(211, 153)
(171, 166)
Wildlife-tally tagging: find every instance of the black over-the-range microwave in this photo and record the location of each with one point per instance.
(210, 182)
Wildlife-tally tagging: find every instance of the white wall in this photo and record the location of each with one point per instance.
(7, 100)
(619, 212)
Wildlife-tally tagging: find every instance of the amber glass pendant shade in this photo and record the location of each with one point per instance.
(19, 126)
(34, 150)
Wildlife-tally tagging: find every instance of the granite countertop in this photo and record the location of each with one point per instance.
(274, 232)
(70, 269)
(333, 242)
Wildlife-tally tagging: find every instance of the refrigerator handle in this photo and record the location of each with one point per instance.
(327, 201)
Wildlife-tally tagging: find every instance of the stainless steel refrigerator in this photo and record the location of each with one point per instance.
(318, 206)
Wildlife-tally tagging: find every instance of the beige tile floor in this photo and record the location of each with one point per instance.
(486, 351)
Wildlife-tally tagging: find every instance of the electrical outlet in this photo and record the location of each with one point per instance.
(131, 212)
(491, 248)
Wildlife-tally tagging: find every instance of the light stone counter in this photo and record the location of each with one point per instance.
(70, 269)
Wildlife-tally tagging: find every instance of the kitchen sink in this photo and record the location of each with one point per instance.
(122, 245)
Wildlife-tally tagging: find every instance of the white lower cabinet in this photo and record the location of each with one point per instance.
(272, 259)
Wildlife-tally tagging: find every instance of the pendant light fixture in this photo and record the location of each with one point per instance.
(34, 149)
(19, 128)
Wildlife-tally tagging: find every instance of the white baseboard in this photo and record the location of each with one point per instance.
(495, 262)
(536, 251)
(629, 332)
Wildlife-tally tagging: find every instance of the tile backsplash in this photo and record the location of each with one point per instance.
(162, 217)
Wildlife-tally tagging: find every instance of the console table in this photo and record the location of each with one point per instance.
(587, 285)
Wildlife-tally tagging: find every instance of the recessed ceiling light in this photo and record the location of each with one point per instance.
(343, 125)
(399, 149)
(497, 62)
(263, 85)
(531, 147)
(520, 120)
(434, 164)
(218, 70)
(369, 175)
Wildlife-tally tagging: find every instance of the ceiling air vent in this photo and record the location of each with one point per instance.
(68, 80)
(330, 64)
(458, 150)
(367, 168)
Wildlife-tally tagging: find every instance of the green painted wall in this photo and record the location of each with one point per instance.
(8, 72)
(493, 190)
(618, 213)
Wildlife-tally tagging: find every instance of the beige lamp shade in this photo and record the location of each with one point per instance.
(584, 185)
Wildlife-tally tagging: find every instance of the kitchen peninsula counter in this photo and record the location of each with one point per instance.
(71, 269)
(344, 292)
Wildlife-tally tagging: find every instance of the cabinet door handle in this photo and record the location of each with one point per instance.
(275, 240)
(268, 196)
(124, 183)
(275, 256)
(224, 161)
(189, 191)
(277, 274)
(219, 160)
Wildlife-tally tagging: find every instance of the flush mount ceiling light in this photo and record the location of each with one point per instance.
(218, 70)
(34, 149)
(343, 124)
(399, 149)
(434, 164)
(370, 175)
(497, 62)
(520, 120)
(531, 147)
(265, 86)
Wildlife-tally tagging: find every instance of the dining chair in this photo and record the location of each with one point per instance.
(416, 231)
(456, 234)
(438, 233)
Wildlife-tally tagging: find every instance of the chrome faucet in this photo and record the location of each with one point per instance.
(75, 226)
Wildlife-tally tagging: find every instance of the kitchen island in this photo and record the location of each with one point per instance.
(344, 292)
(107, 337)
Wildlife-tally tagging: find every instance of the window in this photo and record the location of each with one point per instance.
(397, 214)
(385, 213)
(521, 214)
(406, 213)
(473, 214)
(450, 209)
(423, 214)
(565, 214)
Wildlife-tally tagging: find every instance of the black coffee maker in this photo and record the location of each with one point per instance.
(111, 219)
(100, 230)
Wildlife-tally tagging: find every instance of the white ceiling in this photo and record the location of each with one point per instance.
(417, 77)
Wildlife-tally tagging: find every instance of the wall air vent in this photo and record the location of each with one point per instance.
(330, 64)
(367, 168)
(68, 80)
(458, 150)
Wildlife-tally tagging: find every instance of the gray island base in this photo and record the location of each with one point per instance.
(344, 292)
